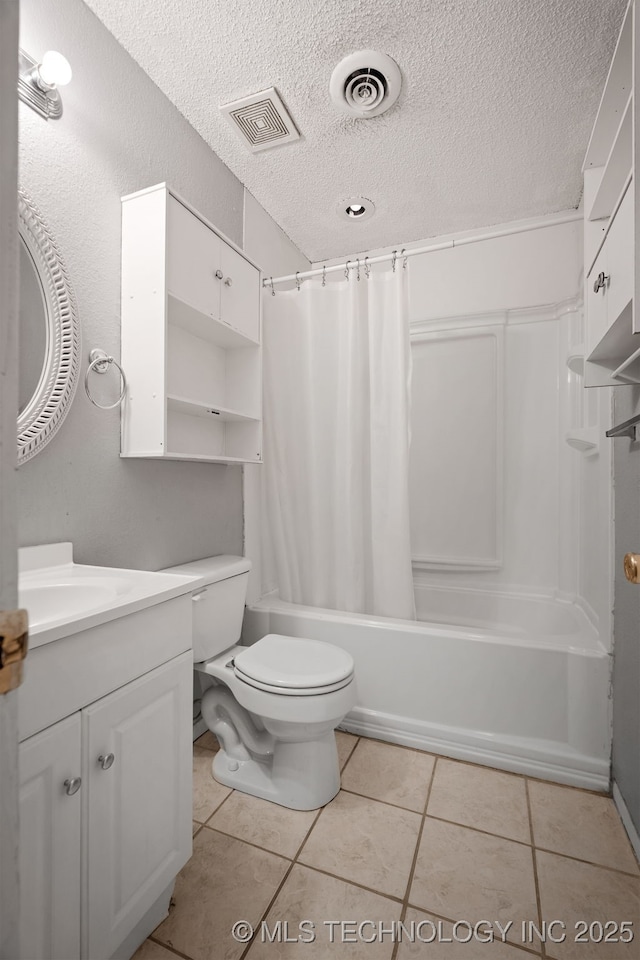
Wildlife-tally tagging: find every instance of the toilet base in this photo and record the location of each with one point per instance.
(301, 776)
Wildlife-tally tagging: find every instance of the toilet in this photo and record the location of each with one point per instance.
(274, 705)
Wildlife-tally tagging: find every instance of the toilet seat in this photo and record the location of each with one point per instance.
(293, 667)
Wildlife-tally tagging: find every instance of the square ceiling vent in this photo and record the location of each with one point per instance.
(262, 120)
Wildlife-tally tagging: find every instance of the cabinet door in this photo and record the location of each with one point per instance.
(193, 252)
(240, 304)
(596, 303)
(619, 247)
(138, 807)
(50, 843)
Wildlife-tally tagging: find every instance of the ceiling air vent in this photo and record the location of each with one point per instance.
(365, 84)
(262, 119)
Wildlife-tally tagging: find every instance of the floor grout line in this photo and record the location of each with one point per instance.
(534, 861)
(177, 953)
(352, 883)
(249, 843)
(350, 754)
(440, 916)
(414, 861)
(589, 863)
(387, 803)
(265, 914)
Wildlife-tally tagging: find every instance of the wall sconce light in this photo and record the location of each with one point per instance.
(38, 82)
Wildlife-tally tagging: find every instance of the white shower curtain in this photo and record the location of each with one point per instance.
(337, 376)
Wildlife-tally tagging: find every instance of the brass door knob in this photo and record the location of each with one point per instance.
(632, 567)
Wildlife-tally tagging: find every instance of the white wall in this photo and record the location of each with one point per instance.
(118, 134)
(269, 247)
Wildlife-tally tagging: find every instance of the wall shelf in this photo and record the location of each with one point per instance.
(198, 409)
(190, 336)
(584, 439)
(616, 170)
(205, 326)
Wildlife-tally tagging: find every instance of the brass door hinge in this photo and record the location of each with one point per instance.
(14, 641)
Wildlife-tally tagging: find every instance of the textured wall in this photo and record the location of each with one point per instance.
(118, 134)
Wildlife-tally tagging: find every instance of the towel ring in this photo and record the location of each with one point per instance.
(100, 363)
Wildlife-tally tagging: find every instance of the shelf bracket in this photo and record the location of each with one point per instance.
(626, 429)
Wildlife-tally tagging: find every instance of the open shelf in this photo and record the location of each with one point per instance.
(616, 170)
(615, 358)
(171, 455)
(204, 326)
(614, 98)
(197, 409)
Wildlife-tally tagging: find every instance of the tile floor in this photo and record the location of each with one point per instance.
(413, 838)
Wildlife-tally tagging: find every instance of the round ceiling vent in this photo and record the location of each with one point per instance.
(355, 208)
(365, 84)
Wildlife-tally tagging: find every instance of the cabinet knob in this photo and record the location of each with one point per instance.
(72, 785)
(601, 282)
(219, 274)
(228, 282)
(106, 762)
(632, 567)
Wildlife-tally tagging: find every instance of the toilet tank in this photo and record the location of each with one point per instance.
(218, 602)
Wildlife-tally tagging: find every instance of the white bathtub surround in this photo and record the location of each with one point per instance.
(337, 374)
(520, 683)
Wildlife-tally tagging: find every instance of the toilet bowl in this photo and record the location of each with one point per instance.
(274, 705)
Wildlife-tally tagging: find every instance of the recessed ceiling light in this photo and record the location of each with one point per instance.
(355, 208)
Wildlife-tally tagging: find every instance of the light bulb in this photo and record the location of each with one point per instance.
(55, 70)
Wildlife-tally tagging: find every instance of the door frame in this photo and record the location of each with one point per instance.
(9, 894)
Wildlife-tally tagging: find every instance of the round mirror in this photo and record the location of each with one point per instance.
(48, 335)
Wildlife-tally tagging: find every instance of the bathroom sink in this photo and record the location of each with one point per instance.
(49, 601)
(63, 597)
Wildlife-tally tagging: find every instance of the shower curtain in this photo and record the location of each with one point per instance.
(337, 377)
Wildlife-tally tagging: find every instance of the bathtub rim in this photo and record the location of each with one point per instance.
(559, 643)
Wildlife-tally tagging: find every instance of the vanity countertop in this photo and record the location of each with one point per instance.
(63, 597)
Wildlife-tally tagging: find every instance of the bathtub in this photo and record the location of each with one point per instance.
(519, 683)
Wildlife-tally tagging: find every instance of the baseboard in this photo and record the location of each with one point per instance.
(625, 816)
(545, 760)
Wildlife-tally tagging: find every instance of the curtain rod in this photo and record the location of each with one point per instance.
(395, 255)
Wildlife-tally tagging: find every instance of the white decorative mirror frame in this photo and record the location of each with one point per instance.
(47, 408)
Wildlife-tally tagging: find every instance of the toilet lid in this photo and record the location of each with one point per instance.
(282, 663)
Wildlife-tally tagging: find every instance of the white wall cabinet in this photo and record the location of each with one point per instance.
(190, 336)
(611, 213)
(105, 816)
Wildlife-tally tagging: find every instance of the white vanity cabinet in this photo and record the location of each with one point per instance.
(50, 832)
(105, 797)
(190, 336)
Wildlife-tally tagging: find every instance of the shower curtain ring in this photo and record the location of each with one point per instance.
(346, 269)
(273, 293)
(404, 262)
(358, 269)
(298, 280)
(324, 276)
(367, 268)
(393, 260)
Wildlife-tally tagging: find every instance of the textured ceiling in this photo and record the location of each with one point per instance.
(492, 123)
